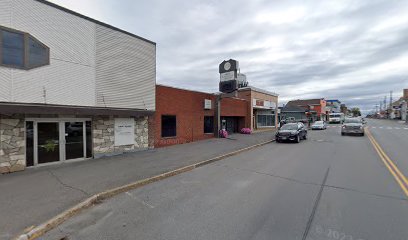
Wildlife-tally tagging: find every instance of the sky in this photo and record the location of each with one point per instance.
(354, 51)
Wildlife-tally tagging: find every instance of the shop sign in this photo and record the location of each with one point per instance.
(207, 104)
(263, 103)
(227, 76)
(124, 131)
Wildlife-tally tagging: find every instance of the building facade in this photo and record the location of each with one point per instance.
(333, 106)
(293, 113)
(184, 116)
(316, 108)
(70, 87)
(262, 107)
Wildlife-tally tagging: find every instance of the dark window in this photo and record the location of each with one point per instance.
(169, 126)
(208, 124)
(37, 53)
(13, 49)
(21, 50)
(30, 144)
(88, 139)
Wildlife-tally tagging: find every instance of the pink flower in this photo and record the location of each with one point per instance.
(246, 131)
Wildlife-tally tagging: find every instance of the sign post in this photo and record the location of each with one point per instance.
(228, 87)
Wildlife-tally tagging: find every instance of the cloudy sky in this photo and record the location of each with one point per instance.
(355, 51)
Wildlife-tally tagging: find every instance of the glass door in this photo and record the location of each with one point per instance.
(74, 140)
(48, 142)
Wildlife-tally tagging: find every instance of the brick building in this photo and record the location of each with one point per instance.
(184, 116)
(315, 107)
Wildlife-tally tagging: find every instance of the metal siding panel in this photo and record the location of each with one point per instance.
(125, 70)
(5, 13)
(70, 77)
(64, 83)
(5, 84)
(5, 73)
(69, 37)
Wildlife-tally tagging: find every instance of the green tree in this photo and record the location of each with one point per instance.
(356, 112)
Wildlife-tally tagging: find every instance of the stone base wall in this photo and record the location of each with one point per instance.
(12, 144)
(104, 136)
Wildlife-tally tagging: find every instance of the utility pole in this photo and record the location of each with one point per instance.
(391, 99)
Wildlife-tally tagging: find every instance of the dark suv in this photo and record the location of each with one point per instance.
(291, 132)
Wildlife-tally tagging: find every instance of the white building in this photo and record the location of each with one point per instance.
(71, 87)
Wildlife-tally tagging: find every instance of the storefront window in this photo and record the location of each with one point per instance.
(265, 119)
(169, 126)
(208, 124)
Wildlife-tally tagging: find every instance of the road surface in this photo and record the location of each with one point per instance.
(327, 187)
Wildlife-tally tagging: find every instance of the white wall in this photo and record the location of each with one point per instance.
(87, 60)
(5, 73)
(125, 70)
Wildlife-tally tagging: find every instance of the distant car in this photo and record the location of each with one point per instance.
(291, 132)
(352, 126)
(319, 125)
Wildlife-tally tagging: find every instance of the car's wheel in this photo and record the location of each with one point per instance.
(362, 134)
(277, 140)
(297, 139)
(305, 137)
(342, 134)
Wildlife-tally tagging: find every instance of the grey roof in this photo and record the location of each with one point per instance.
(293, 109)
(304, 102)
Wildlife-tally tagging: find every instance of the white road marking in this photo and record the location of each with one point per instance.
(397, 128)
(373, 127)
(139, 200)
(406, 128)
(381, 127)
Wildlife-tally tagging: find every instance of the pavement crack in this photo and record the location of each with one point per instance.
(271, 175)
(67, 185)
(366, 193)
(316, 204)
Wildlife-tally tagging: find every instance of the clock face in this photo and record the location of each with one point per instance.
(227, 66)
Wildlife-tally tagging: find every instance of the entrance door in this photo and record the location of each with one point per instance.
(74, 140)
(53, 140)
(48, 146)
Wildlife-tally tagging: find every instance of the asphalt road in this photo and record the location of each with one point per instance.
(327, 187)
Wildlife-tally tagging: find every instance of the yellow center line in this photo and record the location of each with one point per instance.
(397, 174)
(404, 179)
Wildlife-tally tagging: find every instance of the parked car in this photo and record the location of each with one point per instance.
(319, 125)
(352, 126)
(291, 132)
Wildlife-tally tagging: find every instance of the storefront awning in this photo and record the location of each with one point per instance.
(35, 108)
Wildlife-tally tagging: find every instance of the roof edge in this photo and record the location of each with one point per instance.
(93, 20)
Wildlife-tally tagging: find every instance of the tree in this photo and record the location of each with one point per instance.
(356, 112)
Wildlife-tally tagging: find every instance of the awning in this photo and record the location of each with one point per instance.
(36, 108)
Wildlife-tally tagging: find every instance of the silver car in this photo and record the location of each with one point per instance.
(319, 125)
(352, 126)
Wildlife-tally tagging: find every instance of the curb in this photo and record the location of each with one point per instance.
(95, 199)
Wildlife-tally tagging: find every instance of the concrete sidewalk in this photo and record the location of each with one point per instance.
(31, 197)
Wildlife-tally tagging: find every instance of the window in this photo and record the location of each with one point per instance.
(37, 53)
(21, 50)
(13, 49)
(266, 120)
(208, 124)
(169, 126)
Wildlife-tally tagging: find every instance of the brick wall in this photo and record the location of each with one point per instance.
(188, 107)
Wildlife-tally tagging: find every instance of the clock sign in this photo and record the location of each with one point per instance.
(227, 66)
